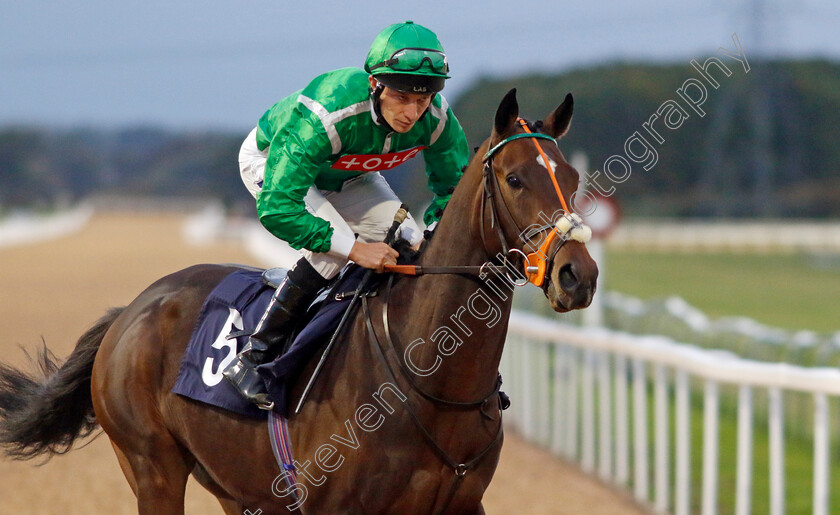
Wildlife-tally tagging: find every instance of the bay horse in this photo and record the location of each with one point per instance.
(405, 416)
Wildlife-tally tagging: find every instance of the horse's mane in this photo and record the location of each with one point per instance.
(409, 256)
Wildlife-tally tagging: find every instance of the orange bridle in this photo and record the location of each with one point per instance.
(569, 226)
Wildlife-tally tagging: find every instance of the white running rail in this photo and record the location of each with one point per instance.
(728, 236)
(571, 392)
(26, 228)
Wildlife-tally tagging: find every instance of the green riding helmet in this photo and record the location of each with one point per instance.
(408, 57)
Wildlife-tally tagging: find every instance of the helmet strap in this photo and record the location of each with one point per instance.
(430, 104)
(377, 106)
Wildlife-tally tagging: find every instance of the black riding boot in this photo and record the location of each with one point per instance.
(289, 302)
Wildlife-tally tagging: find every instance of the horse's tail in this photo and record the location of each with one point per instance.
(44, 413)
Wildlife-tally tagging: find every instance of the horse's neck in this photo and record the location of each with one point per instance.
(462, 321)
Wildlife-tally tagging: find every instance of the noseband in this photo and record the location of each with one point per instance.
(568, 227)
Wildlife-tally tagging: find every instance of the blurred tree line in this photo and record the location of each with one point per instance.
(43, 167)
(767, 145)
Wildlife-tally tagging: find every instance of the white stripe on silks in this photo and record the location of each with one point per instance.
(440, 113)
(329, 120)
(324, 116)
(350, 110)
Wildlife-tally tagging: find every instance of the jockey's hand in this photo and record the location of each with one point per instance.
(373, 255)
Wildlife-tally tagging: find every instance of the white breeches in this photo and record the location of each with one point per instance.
(364, 209)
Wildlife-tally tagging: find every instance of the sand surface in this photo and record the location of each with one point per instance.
(55, 290)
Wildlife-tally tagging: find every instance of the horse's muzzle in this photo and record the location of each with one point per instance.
(572, 279)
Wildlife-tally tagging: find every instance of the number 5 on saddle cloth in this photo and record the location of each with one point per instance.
(230, 313)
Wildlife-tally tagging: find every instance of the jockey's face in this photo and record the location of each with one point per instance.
(402, 110)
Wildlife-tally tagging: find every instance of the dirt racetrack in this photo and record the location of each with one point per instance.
(55, 290)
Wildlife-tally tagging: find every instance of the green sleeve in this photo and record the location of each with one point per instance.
(446, 160)
(297, 150)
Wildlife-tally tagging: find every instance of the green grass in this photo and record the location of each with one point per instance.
(798, 445)
(798, 461)
(798, 455)
(787, 291)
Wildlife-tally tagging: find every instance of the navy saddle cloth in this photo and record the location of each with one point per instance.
(236, 306)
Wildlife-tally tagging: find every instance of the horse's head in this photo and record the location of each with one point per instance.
(525, 205)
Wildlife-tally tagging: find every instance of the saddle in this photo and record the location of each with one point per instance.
(229, 315)
(313, 332)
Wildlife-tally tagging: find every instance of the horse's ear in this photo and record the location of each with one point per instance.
(507, 113)
(557, 123)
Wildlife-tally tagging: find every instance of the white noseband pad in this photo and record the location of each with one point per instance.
(571, 227)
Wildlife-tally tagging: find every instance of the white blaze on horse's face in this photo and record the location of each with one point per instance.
(551, 162)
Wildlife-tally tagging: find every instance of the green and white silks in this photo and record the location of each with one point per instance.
(328, 133)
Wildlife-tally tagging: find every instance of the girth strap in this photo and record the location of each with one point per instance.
(460, 469)
(409, 376)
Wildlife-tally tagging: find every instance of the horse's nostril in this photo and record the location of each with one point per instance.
(568, 280)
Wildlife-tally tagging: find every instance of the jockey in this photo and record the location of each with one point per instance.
(313, 163)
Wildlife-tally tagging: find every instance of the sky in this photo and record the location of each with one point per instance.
(218, 65)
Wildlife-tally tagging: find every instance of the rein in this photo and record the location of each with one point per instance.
(569, 226)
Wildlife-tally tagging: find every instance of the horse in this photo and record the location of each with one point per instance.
(405, 416)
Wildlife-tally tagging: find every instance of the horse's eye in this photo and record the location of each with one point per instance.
(513, 181)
